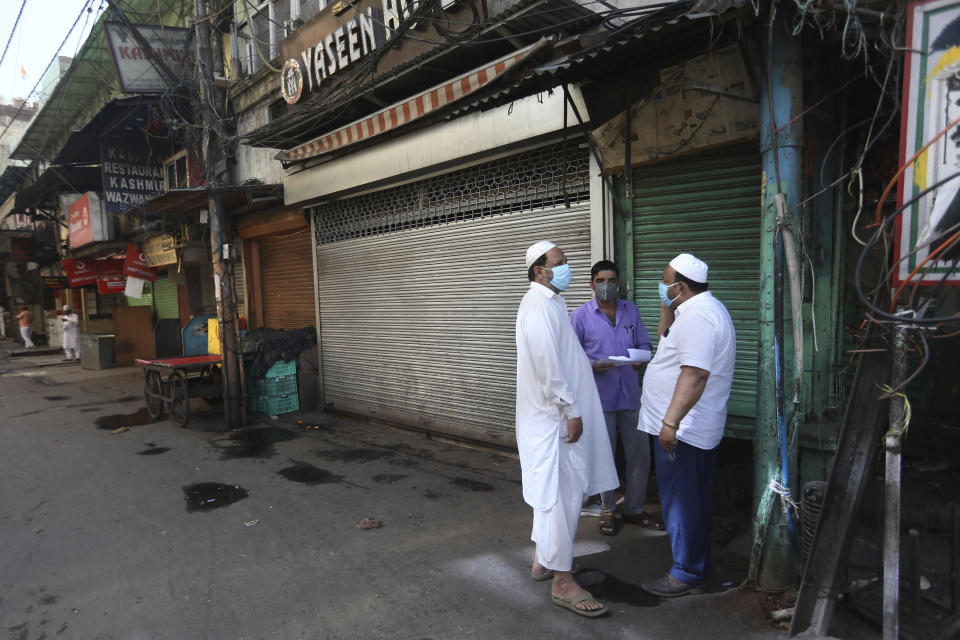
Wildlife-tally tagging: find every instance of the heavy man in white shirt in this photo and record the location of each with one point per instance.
(561, 433)
(684, 404)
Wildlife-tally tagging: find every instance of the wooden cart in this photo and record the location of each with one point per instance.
(170, 383)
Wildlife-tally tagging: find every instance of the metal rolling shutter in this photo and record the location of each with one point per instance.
(166, 299)
(287, 280)
(417, 324)
(708, 205)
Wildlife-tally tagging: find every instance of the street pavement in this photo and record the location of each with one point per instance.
(100, 541)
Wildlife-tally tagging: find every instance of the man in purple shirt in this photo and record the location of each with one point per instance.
(609, 326)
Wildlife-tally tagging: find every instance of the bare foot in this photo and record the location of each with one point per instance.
(564, 586)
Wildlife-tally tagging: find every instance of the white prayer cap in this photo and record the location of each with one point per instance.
(66, 307)
(690, 266)
(537, 250)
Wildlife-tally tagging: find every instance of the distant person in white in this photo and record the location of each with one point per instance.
(561, 434)
(71, 328)
(684, 403)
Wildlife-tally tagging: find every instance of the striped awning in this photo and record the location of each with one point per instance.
(412, 109)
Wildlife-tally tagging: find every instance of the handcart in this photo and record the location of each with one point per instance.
(187, 377)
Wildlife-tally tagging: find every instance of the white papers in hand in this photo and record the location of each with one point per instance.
(636, 356)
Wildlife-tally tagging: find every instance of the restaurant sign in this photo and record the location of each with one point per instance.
(130, 176)
(135, 70)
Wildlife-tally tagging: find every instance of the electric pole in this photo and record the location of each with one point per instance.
(215, 165)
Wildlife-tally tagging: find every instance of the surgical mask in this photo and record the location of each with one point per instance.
(663, 289)
(561, 276)
(606, 291)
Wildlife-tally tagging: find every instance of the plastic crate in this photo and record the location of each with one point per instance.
(279, 386)
(281, 368)
(275, 405)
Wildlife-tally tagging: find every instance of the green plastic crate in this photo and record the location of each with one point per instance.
(281, 368)
(279, 386)
(275, 405)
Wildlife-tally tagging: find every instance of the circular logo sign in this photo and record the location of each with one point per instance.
(291, 80)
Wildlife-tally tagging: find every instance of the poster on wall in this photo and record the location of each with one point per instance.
(110, 278)
(80, 272)
(927, 236)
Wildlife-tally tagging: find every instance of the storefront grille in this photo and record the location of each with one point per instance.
(549, 176)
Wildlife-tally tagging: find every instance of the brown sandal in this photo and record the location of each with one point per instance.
(645, 520)
(608, 524)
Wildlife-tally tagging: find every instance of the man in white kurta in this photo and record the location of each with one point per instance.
(71, 330)
(561, 434)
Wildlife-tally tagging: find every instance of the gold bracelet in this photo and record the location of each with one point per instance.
(669, 426)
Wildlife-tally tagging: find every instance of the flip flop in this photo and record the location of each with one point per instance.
(571, 603)
(548, 574)
(645, 520)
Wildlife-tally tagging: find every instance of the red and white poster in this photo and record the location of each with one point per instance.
(135, 265)
(110, 278)
(81, 224)
(80, 271)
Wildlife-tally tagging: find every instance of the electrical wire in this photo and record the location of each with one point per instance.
(12, 31)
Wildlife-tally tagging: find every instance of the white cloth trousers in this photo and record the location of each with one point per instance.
(554, 529)
(25, 333)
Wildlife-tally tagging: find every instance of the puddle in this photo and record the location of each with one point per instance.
(384, 478)
(204, 496)
(254, 443)
(611, 589)
(353, 456)
(153, 451)
(56, 397)
(308, 474)
(472, 485)
(136, 419)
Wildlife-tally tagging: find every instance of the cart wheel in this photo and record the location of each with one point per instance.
(179, 398)
(153, 392)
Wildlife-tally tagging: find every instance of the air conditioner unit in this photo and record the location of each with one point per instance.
(182, 170)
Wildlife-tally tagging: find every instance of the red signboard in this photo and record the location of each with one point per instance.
(136, 266)
(80, 272)
(22, 249)
(110, 278)
(81, 226)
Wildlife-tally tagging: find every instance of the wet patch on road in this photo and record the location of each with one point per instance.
(89, 409)
(385, 478)
(135, 419)
(353, 456)
(152, 451)
(611, 589)
(204, 496)
(433, 495)
(56, 397)
(47, 383)
(306, 473)
(128, 398)
(254, 443)
(471, 485)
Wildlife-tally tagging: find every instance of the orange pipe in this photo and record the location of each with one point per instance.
(933, 254)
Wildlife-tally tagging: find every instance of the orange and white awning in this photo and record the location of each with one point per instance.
(411, 109)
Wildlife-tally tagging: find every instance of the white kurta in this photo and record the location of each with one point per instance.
(71, 329)
(555, 382)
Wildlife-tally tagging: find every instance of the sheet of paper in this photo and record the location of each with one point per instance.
(134, 287)
(636, 356)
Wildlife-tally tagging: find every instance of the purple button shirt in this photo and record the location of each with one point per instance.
(620, 387)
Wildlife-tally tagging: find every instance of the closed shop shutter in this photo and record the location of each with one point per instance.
(707, 205)
(145, 300)
(417, 324)
(286, 267)
(239, 280)
(166, 299)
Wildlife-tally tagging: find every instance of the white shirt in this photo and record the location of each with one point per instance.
(701, 336)
(71, 330)
(555, 382)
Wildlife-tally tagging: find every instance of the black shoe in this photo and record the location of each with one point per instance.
(664, 588)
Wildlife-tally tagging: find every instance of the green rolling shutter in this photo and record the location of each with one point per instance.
(165, 299)
(146, 300)
(707, 205)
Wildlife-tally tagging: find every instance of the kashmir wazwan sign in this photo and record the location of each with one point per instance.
(347, 44)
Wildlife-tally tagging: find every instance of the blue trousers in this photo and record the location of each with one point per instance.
(686, 495)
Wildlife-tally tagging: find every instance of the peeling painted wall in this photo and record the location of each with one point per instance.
(254, 162)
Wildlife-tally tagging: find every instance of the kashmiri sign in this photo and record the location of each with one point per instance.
(80, 272)
(160, 250)
(931, 102)
(135, 265)
(110, 278)
(136, 71)
(328, 44)
(130, 176)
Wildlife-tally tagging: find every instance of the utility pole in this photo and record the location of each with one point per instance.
(215, 165)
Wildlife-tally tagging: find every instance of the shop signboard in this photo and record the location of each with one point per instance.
(160, 250)
(931, 103)
(110, 278)
(55, 282)
(136, 72)
(131, 176)
(135, 264)
(80, 271)
(87, 220)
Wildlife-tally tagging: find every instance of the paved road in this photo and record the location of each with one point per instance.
(98, 540)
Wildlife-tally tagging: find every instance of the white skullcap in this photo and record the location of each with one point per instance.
(690, 266)
(66, 307)
(537, 250)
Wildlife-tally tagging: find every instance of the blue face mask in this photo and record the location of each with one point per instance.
(663, 289)
(561, 276)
